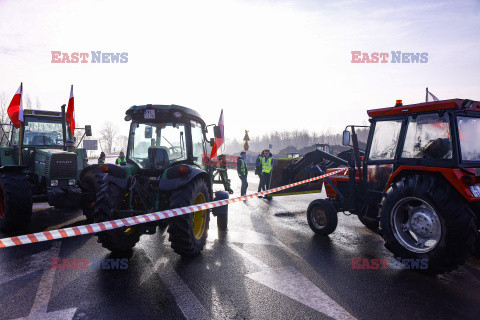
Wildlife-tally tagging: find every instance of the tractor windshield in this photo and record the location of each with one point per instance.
(157, 145)
(469, 133)
(40, 132)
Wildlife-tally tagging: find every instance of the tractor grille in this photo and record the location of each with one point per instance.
(63, 166)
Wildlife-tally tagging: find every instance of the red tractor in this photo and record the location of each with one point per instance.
(417, 183)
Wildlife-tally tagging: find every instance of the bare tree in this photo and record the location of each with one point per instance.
(38, 105)
(28, 102)
(122, 142)
(3, 107)
(108, 135)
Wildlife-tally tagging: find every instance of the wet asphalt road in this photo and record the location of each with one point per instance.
(269, 265)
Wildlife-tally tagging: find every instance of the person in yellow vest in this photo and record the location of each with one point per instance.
(242, 170)
(121, 160)
(101, 160)
(267, 166)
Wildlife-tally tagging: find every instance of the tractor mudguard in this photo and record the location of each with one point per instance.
(175, 183)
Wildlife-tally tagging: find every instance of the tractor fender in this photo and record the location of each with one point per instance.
(452, 175)
(166, 184)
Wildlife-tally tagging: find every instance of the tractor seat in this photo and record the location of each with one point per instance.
(157, 157)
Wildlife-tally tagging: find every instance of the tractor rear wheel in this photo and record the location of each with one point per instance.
(15, 202)
(110, 196)
(89, 181)
(322, 217)
(423, 217)
(188, 232)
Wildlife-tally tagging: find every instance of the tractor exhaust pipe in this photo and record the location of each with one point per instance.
(64, 128)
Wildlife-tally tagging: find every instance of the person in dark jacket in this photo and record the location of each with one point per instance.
(258, 171)
(242, 170)
(101, 159)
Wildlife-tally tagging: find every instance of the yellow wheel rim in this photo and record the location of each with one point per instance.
(199, 218)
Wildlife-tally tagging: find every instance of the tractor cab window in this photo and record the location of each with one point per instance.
(385, 140)
(428, 136)
(42, 132)
(198, 142)
(157, 145)
(469, 133)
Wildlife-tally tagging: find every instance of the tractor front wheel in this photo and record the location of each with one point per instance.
(120, 240)
(188, 232)
(15, 202)
(423, 218)
(322, 217)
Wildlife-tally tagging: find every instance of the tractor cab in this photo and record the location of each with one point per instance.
(164, 136)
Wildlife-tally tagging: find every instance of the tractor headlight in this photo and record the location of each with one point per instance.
(71, 182)
(54, 183)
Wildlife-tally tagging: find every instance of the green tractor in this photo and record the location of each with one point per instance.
(38, 162)
(166, 167)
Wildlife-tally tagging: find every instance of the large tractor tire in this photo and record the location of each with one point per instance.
(322, 217)
(118, 240)
(423, 217)
(90, 180)
(188, 232)
(15, 202)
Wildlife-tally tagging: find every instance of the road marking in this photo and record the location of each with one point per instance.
(186, 301)
(44, 291)
(291, 283)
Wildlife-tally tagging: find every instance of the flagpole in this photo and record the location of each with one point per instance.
(20, 146)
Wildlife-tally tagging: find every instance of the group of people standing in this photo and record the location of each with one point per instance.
(121, 160)
(263, 168)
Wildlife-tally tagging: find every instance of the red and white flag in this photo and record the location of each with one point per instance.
(219, 146)
(71, 112)
(15, 109)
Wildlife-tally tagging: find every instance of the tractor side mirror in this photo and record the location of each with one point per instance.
(346, 138)
(212, 142)
(148, 132)
(88, 130)
(217, 132)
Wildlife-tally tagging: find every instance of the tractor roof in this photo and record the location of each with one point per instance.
(425, 107)
(42, 113)
(173, 107)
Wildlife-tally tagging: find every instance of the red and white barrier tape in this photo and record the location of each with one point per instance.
(144, 218)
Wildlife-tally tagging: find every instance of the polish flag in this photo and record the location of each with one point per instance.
(15, 109)
(219, 146)
(71, 112)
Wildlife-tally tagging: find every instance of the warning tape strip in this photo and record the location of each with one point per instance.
(144, 218)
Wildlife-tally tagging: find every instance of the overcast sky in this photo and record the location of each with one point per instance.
(271, 65)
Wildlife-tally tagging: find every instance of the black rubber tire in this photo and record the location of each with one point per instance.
(180, 230)
(17, 202)
(330, 215)
(110, 196)
(458, 227)
(90, 180)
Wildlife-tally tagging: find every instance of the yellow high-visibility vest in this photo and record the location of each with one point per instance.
(267, 165)
(243, 167)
